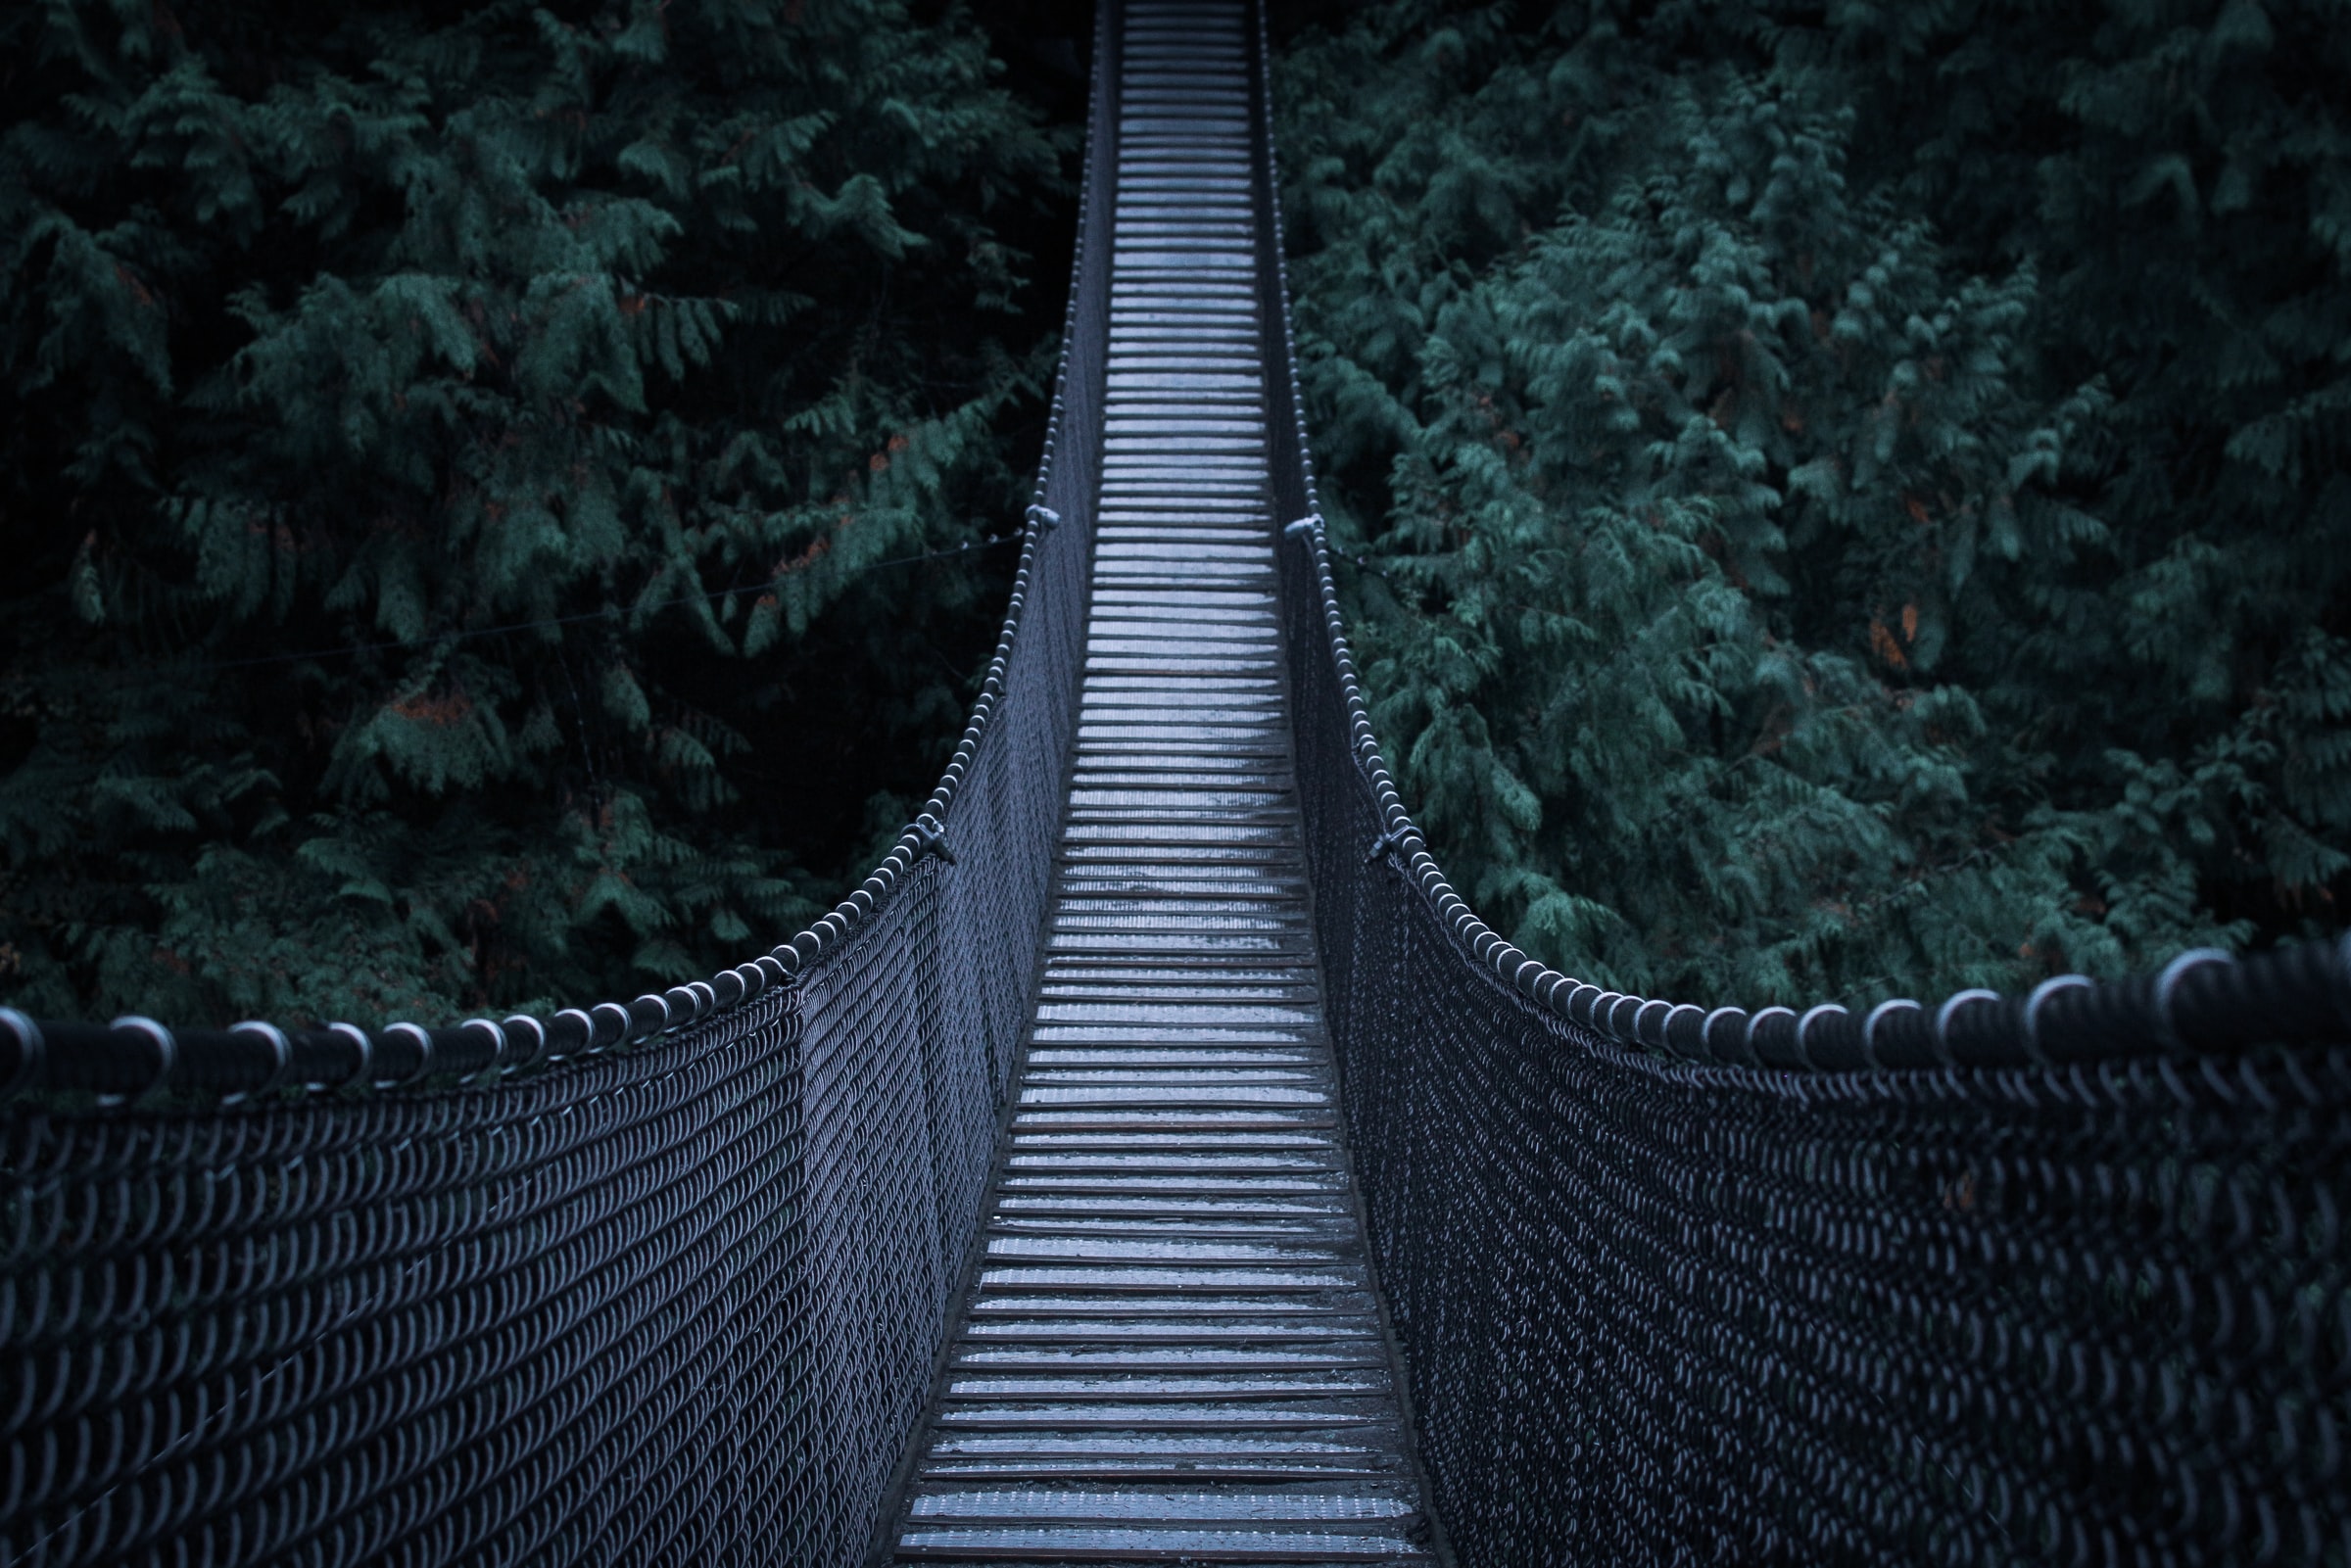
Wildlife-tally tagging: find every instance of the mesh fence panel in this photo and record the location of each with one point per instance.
(1655, 1311)
(1658, 1310)
(670, 1304)
(515, 1324)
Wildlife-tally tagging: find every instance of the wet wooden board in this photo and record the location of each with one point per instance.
(1170, 1352)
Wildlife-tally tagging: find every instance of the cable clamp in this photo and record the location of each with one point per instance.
(931, 838)
(1045, 517)
(1308, 528)
(1386, 844)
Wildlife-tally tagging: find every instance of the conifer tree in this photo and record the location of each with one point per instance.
(2180, 627)
(1767, 593)
(455, 461)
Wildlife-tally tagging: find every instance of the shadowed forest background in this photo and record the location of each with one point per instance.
(1837, 501)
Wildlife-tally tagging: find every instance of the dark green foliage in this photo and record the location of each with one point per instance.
(1790, 568)
(452, 453)
(2180, 175)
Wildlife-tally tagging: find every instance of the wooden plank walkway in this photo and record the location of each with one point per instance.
(1171, 1352)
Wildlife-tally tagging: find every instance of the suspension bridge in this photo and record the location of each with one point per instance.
(1156, 1159)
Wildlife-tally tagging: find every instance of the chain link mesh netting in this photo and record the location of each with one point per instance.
(670, 1304)
(1659, 1309)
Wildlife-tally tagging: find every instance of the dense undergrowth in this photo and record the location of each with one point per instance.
(465, 470)
(1849, 505)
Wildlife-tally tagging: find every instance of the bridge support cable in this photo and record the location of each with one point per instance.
(2054, 1278)
(1171, 1351)
(649, 1282)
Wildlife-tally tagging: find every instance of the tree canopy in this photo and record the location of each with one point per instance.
(502, 499)
(475, 476)
(1842, 504)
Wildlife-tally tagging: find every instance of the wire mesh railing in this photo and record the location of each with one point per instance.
(2058, 1278)
(647, 1282)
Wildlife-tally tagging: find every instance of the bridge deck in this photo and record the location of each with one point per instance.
(1172, 1351)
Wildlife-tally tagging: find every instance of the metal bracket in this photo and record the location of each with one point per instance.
(931, 838)
(1385, 845)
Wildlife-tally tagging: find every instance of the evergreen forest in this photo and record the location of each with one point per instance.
(506, 504)
(1844, 502)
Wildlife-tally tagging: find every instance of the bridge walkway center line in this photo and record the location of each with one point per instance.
(1170, 1352)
